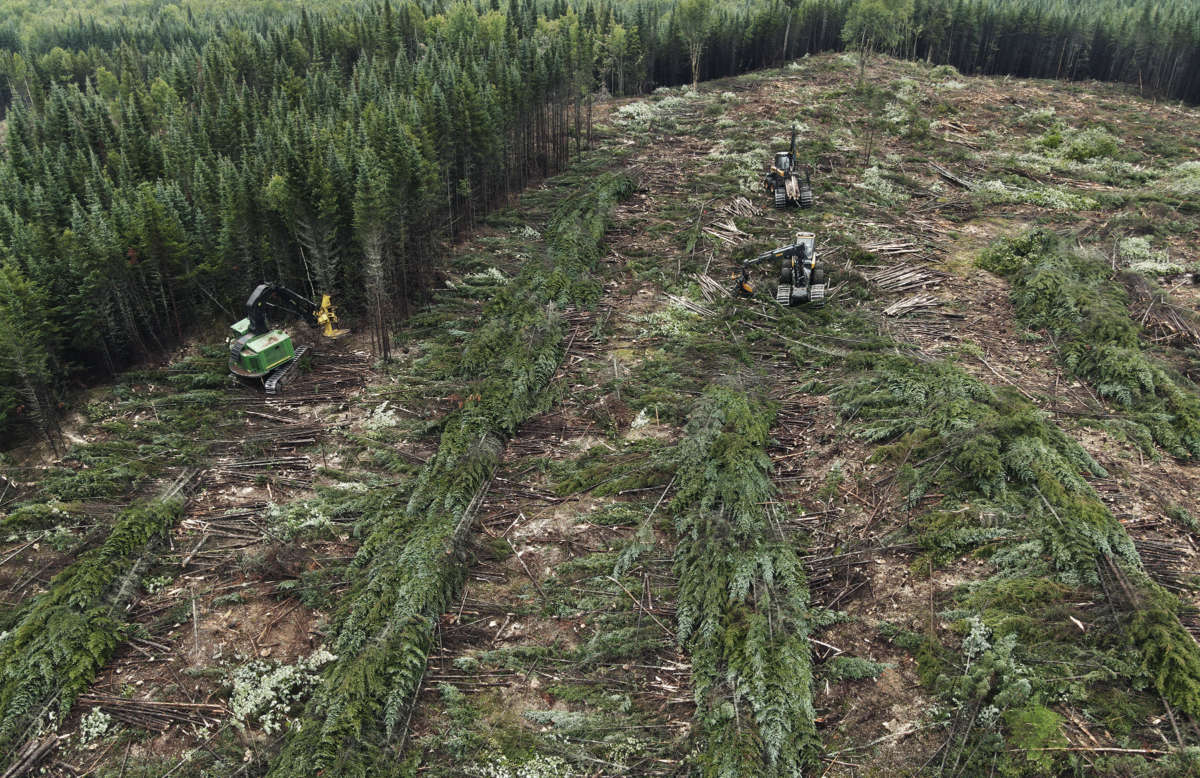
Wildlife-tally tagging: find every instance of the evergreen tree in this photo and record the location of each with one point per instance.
(27, 350)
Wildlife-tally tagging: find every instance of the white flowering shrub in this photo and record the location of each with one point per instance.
(94, 725)
(296, 518)
(268, 692)
(733, 149)
(780, 141)
(529, 233)
(843, 140)
(1137, 252)
(1038, 116)
(497, 765)
(1110, 171)
(672, 321)
(641, 420)
(881, 188)
(904, 102)
(1182, 180)
(467, 663)
(156, 584)
(895, 113)
(487, 277)
(1000, 193)
(989, 716)
(672, 103)
(977, 639)
(637, 115)
(645, 114)
(381, 418)
(1032, 162)
(61, 538)
(1102, 169)
(745, 167)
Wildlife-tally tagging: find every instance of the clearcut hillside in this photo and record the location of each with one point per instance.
(598, 516)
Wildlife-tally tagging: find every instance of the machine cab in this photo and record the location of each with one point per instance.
(783, 161)
(809, 241)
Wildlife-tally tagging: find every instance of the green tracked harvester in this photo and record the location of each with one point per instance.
(800, 280)
(264, 356)
(782, 180)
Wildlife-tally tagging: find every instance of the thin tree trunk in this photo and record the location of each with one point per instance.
(787, 29)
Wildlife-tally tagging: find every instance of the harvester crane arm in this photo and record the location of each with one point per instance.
(800, 281)
(278, 298)
(798, 250)
(258, 352)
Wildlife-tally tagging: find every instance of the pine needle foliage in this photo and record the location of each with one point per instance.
(743, 598)
(63, 637)
(1017, 485)
(1072, 295)
(412, 563)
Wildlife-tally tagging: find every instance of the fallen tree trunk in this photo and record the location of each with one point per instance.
(743, 599)
(412, 565)
(64, 636)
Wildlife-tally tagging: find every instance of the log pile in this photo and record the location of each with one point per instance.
(711, 288)
(901, 278)
(913, 303)
(152, 715)
(740, 206)
(726, 232)
(30, 756)
(1170, 323)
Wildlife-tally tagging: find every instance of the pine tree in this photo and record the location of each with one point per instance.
(27, 350)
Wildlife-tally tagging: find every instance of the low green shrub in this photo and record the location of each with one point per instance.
(852, 668)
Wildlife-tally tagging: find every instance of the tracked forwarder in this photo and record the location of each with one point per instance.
(259, 353)
(800, 280)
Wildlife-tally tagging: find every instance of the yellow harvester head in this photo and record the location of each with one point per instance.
(328, 317)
